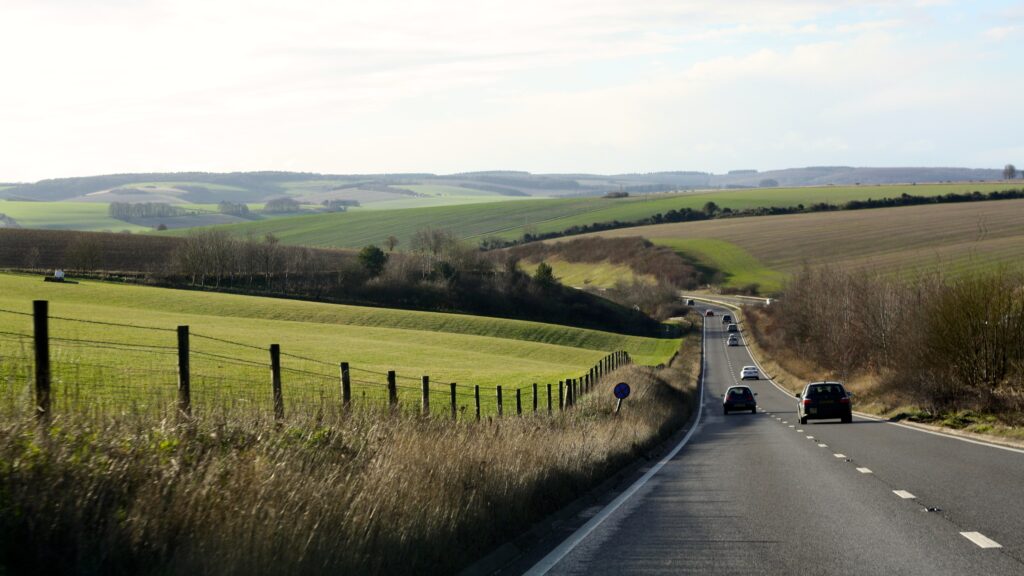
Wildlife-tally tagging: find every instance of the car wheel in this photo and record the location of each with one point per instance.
(847, 419)
(753, 410)
(803, 420)
(725, 411)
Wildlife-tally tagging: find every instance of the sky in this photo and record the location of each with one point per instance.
(444, 86)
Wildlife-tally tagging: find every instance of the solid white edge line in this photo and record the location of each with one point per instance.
(981, 540)
(861, 414)
(562, 550)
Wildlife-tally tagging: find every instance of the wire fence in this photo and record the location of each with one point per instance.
(57, 364)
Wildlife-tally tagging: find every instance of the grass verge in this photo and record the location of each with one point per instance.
(367, 493)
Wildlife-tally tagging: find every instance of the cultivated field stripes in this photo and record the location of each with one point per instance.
(960, 237)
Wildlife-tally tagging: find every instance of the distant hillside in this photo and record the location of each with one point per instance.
(313, 188)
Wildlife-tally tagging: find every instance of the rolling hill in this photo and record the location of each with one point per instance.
(510, 220)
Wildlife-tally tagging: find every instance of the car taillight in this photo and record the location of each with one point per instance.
(844, 400)
(807, 401)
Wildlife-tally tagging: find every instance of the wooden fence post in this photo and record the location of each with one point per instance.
(41, 340)
(454, 401)
(184, 374)
(346, 387)
(392, 389)
(275, 381)
(561, 395)
(500, 407)
(426, 396)
(476, 395)
(519, 402)
(534, 397)
(549, 398)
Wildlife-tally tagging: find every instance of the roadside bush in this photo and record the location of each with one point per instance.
(946, 345)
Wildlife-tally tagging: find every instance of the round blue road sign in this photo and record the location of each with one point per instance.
(621, 390)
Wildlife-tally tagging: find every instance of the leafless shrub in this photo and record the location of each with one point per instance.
(943, 344)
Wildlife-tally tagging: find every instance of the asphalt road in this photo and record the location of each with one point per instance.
(761, 494)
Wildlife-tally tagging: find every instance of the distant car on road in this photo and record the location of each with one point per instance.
(709, 313)
(733, 340)
(690, 302)
(823, 401)
(750, 373)
(726, 318)
(732, 328)
(739, 398)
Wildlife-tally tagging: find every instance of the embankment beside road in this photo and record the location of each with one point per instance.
(369, 492)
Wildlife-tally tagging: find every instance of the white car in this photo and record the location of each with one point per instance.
(750, 373)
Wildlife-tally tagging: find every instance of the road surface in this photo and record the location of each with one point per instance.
(762, 494)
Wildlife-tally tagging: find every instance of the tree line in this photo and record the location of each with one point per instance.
(437, 273)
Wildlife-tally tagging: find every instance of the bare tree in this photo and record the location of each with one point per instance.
(1009, 172)
(391, 242)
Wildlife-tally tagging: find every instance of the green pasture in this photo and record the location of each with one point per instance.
(469, 350)
(738, 267)
(87, 216)
(602, 274)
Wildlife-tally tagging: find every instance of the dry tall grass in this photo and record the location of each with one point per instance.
(367, 493)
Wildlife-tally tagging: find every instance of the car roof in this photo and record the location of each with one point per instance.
(750, 367)
(737, 388)
(825, 383)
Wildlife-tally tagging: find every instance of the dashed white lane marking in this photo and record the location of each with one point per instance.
(904, 494)
(785, 421)
(810, 437)
(840, 455)
(800, 430)
(981, 540)
(822, 445)
(864, 470)
(791, 426)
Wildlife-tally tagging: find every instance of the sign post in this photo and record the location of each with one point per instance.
(621, 392)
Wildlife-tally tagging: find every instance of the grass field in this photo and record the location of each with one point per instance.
(738, 266)
(511, 219)
(580, 274)
(86, 216)
(956, 238)
(450, 348)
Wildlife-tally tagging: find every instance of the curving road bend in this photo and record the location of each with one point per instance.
(761, 494)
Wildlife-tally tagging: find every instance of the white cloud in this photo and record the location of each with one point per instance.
(600, 85)
(1000, 33)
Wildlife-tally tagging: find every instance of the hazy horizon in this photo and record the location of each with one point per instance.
(604, 87)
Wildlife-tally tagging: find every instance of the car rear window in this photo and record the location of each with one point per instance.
(825, 391)
(739, 393)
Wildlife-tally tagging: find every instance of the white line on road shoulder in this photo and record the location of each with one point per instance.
(904, 494)
(864, 470)
(981, 540)
(562, 550)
